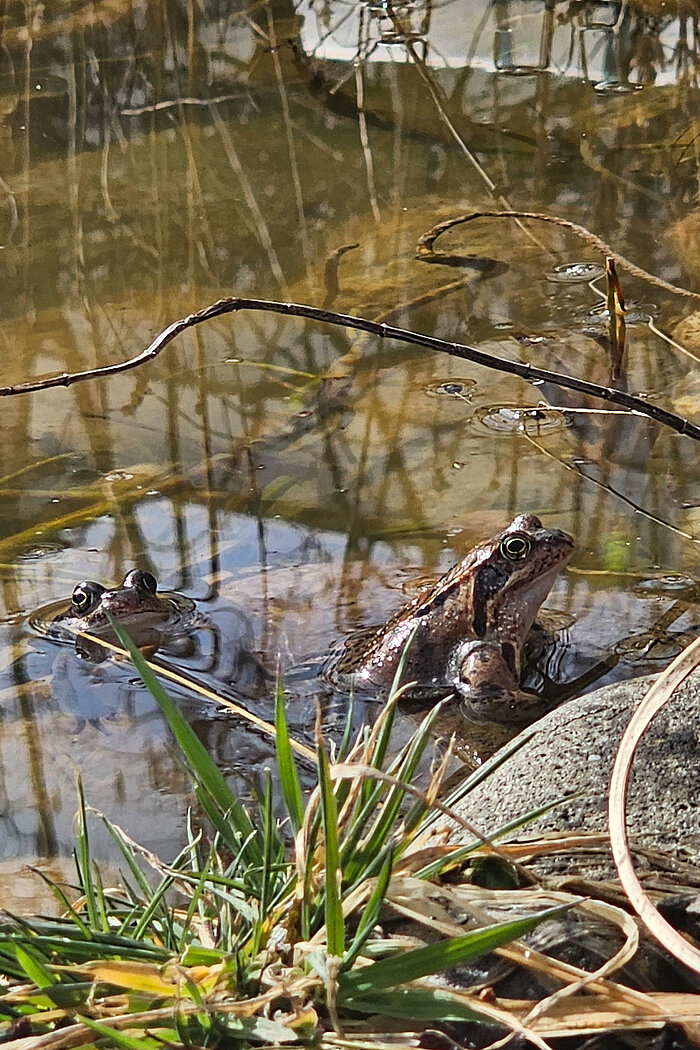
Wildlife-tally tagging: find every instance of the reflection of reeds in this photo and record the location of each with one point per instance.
(291, 146)
(260, 224)
(359, 90)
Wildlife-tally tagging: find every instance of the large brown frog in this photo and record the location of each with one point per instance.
(470, 627)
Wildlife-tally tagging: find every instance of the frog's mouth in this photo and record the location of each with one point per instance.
(513, 614)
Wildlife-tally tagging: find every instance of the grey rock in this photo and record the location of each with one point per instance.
(571, 751)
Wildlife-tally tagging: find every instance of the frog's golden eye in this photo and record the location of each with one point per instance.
(86, 595)
(515, 546)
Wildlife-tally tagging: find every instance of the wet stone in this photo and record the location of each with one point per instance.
(663, 811)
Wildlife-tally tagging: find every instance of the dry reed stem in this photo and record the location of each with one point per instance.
(660, 693)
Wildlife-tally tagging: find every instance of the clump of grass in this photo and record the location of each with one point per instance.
(271, 933)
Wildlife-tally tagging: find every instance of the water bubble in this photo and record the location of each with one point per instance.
(519, 71)
(636, 313)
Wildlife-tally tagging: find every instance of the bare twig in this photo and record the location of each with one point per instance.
(382, 331)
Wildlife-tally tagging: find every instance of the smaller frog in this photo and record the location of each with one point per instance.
(470, 627)
(136, 605)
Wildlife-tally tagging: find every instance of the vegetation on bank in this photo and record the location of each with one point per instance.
(340, 923)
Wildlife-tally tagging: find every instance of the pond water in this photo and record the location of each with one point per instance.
(294, 478)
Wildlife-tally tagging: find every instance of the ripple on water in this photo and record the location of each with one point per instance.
(615, 87)
(671, 584)
(37, 551)
(636, 313)
(519, 71)
(453, 388)
(572, 273)
(510, 419)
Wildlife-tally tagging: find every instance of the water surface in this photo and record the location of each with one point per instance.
(297, 479)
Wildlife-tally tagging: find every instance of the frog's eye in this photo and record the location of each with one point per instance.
(144, 581)
(515, 546)
(86, 595)
(149, 581)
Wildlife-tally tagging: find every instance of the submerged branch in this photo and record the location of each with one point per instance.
(382, 331)
(424, 249)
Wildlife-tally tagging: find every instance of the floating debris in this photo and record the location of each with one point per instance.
(615, 87)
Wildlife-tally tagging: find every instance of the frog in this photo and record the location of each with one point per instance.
(147, 614)
(466, 633)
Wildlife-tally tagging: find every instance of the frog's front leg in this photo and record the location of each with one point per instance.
(483, 675)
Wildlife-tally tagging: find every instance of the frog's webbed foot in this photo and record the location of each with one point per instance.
(488, 687)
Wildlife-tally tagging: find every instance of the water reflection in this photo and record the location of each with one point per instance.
(293, 479)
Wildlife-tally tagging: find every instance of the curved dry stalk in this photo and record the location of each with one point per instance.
(624, 954)
(382, 331)
(661, 691)
(424, 247)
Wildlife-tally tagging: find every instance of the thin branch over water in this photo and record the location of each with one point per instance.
(382, 331)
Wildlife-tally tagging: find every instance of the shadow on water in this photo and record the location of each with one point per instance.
(296, 481)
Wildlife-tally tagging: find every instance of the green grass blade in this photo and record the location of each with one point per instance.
(417, 1004)
(34, 967)
(335, 926)
(156, 904)
(370, 914)
(347, 731)
(358, 863)
(404, 770)
(483, 771)
(202, 766)
(195, 902)
(433, 958)
(288, 773)
(84, 861)
(266, 890)
(385, 734)
(122, 1039)
(436, 867)
(129, 855)
(63, 901)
